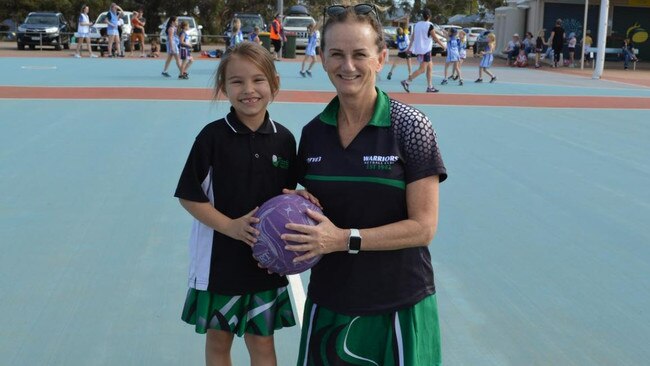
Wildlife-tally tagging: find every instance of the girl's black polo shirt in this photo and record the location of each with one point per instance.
(364, 186)
(237, 170)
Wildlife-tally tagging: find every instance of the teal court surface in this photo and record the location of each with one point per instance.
(541, 256)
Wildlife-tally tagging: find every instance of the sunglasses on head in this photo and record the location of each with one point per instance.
(359, 9)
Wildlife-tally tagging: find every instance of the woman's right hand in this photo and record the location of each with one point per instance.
(242, 228)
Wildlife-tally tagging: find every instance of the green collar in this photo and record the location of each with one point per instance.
(380, 117)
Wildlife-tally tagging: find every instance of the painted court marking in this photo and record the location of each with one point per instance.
(31, 67)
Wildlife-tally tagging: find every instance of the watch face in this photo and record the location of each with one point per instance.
(355, 243)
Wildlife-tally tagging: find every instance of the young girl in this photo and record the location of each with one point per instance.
(486, 61)
(83, 30)
(231, 170)
(522, 59)
(186, 51)
(155, 48)
(453, 56)
(310, 50)
(463, 54)
(172, 46)
(540, 42)
(254, 36)
(572, 48)
(236, 36)
(402, 45)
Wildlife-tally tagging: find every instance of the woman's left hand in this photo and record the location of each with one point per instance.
(315, 240)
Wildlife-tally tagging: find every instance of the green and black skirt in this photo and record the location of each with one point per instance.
(260, 313)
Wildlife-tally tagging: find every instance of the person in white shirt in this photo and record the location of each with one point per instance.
(83, 31)
(422, 38)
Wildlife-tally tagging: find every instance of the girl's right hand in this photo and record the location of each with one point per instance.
(242, 229)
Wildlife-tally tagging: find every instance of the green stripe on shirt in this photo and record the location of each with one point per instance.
(339, 178)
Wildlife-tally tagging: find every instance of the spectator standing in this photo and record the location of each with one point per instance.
(83, 32)
(112, 31)
(557, 41)
(540, 43)
(424, 34)
(137, 33)
(277, 36)
(586, 44)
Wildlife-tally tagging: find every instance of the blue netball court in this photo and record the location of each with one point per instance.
(541, 257)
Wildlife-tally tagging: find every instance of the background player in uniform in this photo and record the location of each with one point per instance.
(488, 58)
(172, 46)
(227, 176)
(453, 56)
(310, 50)
(424, 34)
(83, 30)
(376, 163)
(185, 48)
(402, 45)
(462, 36)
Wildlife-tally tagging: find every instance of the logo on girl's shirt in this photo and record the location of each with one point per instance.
(279, 162)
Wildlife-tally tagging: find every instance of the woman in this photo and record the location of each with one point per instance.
(137, 35)
(374, 164)
(172, 47)
(557, 41)
(112, 22)
(83, 31)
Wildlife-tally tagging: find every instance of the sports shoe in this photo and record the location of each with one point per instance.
(92, 55)
(443, 82)
(390, 74)
(76, 55)
(302, 73)
(494, 78)
(432, 90)
(460, 82)
(405, 85)
(165, 74)
(479, 80)
(454, 77)
(308, 73)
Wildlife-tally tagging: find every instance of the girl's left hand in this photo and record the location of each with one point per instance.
(316, 240)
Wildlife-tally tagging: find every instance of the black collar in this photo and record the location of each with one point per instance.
(267, 127)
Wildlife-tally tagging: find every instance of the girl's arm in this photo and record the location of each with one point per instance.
(239, 229)
(416, 231)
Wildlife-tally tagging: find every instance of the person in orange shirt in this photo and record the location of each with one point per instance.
(138, 32)
(277, 36)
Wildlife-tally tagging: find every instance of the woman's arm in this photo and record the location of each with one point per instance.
(239, 228)
(415, 231)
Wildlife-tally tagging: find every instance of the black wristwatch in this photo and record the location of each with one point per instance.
(354, 241)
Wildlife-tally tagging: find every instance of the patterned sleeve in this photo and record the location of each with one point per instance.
(418, 143)
(194, 182)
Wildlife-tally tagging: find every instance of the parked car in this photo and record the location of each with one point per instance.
(448, 27)
(390, 36)
(96, 30)
(43, 28)
(296, 22)
(472, 35)
(248, 22)
(194, 33)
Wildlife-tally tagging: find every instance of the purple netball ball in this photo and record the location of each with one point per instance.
(274, 214)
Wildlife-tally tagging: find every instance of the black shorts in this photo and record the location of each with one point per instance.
(277, 44)
(403, 55)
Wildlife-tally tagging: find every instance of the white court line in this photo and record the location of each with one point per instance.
(299, 296)
(39, 67)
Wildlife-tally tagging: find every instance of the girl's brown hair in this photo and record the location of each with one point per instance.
(254, 53)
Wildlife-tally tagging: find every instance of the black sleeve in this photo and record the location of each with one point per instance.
(195, 181)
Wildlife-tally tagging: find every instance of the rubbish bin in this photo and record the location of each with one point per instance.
(289, 47)
(265, 37)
